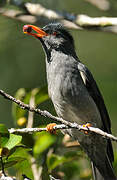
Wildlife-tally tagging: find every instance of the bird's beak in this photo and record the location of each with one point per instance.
(27, 29)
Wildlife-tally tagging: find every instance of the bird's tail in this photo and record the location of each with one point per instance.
(104, 174)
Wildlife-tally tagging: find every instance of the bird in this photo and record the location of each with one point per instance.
(75, 95)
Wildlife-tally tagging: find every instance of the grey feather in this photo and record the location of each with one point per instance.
(76, 98)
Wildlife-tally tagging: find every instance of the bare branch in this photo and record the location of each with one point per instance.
(2, 167)
(30, 125)
(39, 10)
(31, 114)
(75, 21)
(65, 124)
(37, 14)
(17, 15)
(33, 130)
(84, 20)
(3, 177)
(101, 4)
(34, 168)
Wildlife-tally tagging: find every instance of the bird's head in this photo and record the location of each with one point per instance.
(52, 36)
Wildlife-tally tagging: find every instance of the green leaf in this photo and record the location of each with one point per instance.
(11, 161)
(25, 168)
(4, 135)
(16, 155)
(43, 142)
(13, 141)
(54, 160)
(19, 150)
(4, 140)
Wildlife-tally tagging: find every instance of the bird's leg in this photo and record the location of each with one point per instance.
(50, 128)
(87, 125)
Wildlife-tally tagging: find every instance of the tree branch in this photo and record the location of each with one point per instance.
(37, 14)
(103, 5)
(65, 124)
(33, 130)
(30, 125)
(3, 177)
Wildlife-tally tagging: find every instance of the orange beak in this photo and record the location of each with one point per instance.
(27, 29)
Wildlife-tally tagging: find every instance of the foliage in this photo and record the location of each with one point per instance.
(47, 150)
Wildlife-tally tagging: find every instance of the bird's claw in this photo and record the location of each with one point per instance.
(50, 129)
(87, 125)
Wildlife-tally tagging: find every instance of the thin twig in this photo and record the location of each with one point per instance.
(33, 130)
(3, 177)
(80, 19)
(30, 125)
(31, 114)
(37, 14)
(34, 168)
(65, 124)
(2, 166)
(101, 4)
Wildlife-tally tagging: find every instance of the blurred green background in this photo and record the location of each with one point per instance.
(22, 58)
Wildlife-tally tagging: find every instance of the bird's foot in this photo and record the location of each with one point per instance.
(50, 128)
(87, 125)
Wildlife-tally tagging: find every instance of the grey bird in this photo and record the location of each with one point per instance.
(75, 95)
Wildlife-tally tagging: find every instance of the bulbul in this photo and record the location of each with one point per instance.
(75, 95)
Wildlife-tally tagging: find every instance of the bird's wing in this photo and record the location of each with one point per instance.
(98, 99)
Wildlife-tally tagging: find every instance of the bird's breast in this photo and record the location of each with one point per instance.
(69, 94)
